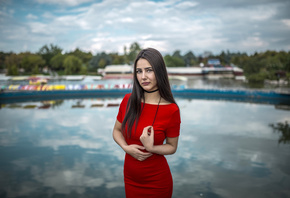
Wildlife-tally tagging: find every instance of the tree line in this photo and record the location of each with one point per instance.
(271, 65)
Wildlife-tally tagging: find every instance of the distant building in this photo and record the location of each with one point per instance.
(117, 71)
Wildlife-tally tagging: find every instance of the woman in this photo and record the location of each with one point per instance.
(148, 116)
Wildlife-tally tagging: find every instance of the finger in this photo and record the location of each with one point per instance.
(144, 133)
(152, 131)
(141, 158)
(147, 155)
(147, 130)
(147, 127)
(140, 147)
(143, 154)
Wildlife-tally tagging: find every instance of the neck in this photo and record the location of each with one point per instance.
(152, 97)
(151, 91)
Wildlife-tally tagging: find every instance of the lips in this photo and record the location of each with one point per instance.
(145, 83)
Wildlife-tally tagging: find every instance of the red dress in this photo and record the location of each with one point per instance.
(151, 177)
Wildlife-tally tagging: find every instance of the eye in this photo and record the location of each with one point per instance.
(138, 71)
(149, 70)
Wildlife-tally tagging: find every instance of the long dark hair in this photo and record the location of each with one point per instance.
(133, 110)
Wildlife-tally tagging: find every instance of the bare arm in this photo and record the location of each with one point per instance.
(147, 139)
(134, 150)
(118, 136)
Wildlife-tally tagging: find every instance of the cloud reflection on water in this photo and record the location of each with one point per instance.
(226, 149)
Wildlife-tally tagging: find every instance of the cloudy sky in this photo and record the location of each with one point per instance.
(169, 25)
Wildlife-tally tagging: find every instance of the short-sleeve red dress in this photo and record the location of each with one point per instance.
(151, 177)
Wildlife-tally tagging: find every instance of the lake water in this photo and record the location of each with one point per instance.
(65, 149)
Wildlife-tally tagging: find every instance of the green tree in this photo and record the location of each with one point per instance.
(84, 56)
(134, 50)
(13, 59)
(252, 65)
(13, 63)
(72, 65)
(283, 129)
(225, 58)
(102, 63)
(177, 54)
(222, 58)
(12, 70)
(171, 61)
(178, 59)
(3, 56)
(189, 59)
(126, 59)
(238, 59)
(57, 62)
(32, 63)
(168, 61)
(84, 70)
(272, 66)
(265, 65)
(47, 52)
(35, 70)
(287, 63)
(95, 61)
(117, 59)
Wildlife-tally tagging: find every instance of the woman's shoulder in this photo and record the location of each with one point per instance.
(126, 98)
(174, 107)
(174, 112)
(171, 106)
(166, 102)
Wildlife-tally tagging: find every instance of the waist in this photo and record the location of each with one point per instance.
(155, 158)
(143, 170)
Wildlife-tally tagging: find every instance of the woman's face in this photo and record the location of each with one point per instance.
(145, 75)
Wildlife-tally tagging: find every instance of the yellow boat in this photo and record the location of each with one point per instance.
(37, 81)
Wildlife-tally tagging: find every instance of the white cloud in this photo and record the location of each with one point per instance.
(162, 46)
(48, 15)
(186, 5)
(254, 42)
(31, 16)
(63, 2)
(286, 22)
(37, 27)
(185, 25)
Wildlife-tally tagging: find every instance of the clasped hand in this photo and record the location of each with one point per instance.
(147, 139)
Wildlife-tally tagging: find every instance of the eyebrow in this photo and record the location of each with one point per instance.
(145, 68)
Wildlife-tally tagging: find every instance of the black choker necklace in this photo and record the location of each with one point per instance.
(151, 91)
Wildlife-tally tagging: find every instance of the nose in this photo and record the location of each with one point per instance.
(143, 75)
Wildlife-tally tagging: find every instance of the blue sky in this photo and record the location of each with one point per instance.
(109, 25)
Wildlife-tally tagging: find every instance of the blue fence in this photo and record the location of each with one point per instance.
(269, 97)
